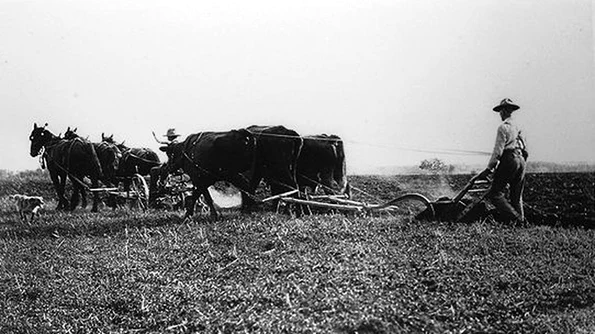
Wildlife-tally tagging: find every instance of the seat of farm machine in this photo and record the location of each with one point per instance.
(171, 193)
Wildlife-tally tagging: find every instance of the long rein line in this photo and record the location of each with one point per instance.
(412, 149)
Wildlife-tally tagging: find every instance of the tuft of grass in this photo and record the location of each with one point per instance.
(152, 272)
(123, 271)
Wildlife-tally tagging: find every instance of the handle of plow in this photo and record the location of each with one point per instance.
(463, 191)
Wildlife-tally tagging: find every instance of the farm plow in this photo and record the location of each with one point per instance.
(466, 205)
(137, 194)
(459, 208)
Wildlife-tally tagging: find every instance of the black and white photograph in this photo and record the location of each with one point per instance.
(349, 167)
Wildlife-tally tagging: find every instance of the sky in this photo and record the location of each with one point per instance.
(400, 81)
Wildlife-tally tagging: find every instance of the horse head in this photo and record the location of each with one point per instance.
(110, 140)
(109, 155)
(39, 137)
(71, 134)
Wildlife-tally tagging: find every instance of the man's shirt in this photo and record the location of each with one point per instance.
(508, 137)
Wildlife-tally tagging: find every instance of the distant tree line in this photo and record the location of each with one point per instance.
(436, 166)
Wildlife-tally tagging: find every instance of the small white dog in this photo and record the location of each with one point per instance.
(27, 204)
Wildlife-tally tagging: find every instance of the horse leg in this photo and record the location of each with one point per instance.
(329, 185)
(248, 201)
(127, 183)
(65, 204)
(74, 199)
(189, 203)
(56, 181)
(59, 181)
(83, 198)
(153, 180)
(243, 185)
(205, 192)
(95, 185)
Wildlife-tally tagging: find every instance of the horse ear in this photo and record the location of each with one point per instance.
(102, 137)
(34, 126)
(67, 129)
(75, 129)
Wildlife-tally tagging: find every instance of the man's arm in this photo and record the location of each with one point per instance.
(498, 147)
(523, 142)
(158, 141)
(496, 153)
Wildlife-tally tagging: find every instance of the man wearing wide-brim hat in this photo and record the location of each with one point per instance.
(172, 137)
(508, 165)
(158, 174)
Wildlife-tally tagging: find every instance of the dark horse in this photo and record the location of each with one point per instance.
(275, 158)
(322, 164)
(209, 157)
(74, 158)
(109, 156)
(135, 160)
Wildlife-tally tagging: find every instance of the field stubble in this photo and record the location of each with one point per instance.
(129, 271)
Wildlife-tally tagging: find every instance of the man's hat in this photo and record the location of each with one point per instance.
(506, 104)
(171, 133)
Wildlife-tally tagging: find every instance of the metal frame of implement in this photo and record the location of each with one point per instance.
(139, 195)
(442, 209)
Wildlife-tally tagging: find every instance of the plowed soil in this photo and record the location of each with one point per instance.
(556, 199)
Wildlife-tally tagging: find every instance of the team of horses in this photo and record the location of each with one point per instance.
(279, 156)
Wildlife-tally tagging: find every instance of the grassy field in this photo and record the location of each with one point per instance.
(127, 271)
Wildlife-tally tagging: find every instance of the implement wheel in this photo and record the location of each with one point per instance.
(413, 205)
(139, 192)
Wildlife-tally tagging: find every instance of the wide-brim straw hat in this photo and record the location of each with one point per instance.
(506, 104)
(171, 133)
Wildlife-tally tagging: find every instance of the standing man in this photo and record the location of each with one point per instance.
(508, 159)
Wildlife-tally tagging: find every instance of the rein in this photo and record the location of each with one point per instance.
(47, 158)
(143, 159)
(205, 171)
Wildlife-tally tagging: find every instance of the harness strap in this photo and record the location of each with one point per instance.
(143, 159)
(317, 183)
(217, 175)
(205, 171)
(72, 176)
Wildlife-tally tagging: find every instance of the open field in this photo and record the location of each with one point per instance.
(128, 271)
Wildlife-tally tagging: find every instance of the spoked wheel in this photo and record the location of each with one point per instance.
(412, 205)
(139, 192)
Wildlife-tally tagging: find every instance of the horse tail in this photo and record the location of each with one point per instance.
(298, 145)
